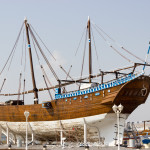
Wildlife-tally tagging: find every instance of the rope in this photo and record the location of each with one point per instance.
(43, 89)
(45, 58)
(118, 43)
(67, 73)
(54, 57)
(44, 73)
(75, 54)
(47, 87)
(36, 51)
(132, 54)
(113, 47)
(146, 57)
(83, 57)
(80, 41)
(24, 84)
(43, 43)
(121, 54)
(24, 90)
(25, 59)
(2, 85)
(22, 48)
(95, 49)
(19, 86)
(13, 49)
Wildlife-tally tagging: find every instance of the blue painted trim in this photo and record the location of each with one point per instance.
(85, 96)
(99, 87)
(96, 94)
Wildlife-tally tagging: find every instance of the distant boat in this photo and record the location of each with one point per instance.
(69, 111)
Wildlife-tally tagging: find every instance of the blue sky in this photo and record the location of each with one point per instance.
(60, 24)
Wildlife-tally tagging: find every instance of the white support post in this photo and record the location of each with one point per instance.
(0, 133)
(7, 135)
(118, 130)
(29, 125)
(26, 133)
(32, 138)
(61, 137)
(117, 110)
(85, 134)
(26, 113)
(15, 139)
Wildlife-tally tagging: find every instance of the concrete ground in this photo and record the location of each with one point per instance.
(54, 147)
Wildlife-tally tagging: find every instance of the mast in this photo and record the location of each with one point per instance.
(90, 54)
(31, 64)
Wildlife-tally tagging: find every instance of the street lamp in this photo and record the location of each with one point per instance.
(117, 110)
(26, 113)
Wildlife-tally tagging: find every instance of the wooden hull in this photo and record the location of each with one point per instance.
(69, 113)
(128, 94)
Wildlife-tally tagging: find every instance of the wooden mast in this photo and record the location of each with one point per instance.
(90, 57)
(31, 64)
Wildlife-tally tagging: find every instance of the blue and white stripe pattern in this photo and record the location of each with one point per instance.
(99, 87)
(29, 46)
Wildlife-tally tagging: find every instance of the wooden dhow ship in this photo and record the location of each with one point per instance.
(69, 112)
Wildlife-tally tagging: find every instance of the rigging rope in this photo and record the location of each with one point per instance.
(146, 57)
(56, 77)
(45, 58)
(53, 56)
(36, 51)
(42, 42)
(42, 70)
(118, 43)
(121, 54)
(67, 73)
(56, 86)
(44, 73)
(95, 49)
(25, 59)
(22, 49)
(19, 86)
(83, 56)
(76, 54)
(13, 49)
(24, 90)
(11, 59)
(47, 87)
(2, 85)
(33, 37)
(113, 47)
(80, 42)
